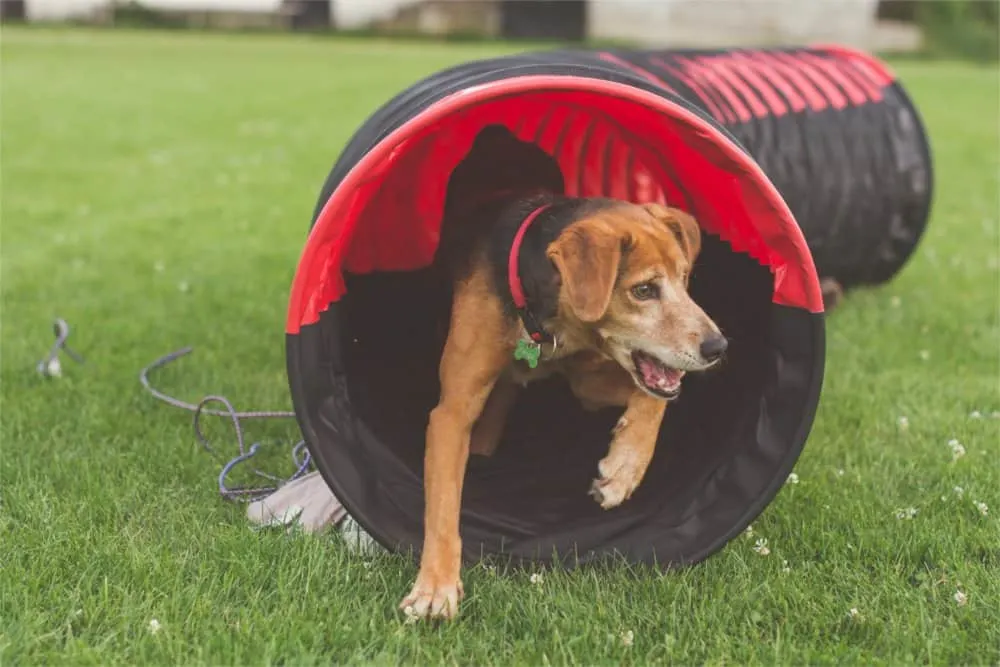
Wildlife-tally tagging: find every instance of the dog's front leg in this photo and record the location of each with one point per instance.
(474, 356)
(632, 446)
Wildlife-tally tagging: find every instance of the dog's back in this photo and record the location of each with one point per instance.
(498, 169)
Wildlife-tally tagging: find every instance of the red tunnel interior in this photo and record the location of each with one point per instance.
(609, 140)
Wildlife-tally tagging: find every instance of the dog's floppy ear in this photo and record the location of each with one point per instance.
(587, 256)
(684, 227)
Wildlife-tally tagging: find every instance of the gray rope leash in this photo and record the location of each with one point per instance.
(50, 366)
(300, 455)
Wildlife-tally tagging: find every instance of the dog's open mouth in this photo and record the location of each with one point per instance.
(656, 377)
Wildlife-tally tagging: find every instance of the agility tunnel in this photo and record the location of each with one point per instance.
(792, 160)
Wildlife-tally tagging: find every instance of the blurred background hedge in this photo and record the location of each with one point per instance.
(956, 28)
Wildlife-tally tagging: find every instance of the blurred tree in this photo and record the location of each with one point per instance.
(966, 28)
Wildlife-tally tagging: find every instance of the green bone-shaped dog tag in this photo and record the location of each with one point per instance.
(528, 351)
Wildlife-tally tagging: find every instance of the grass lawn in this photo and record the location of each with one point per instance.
(156, 193)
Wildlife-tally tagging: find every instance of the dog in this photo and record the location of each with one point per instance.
(594, 289)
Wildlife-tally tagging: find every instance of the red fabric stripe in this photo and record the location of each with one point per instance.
(743, 67)
(812, 96)
(544, 124)
(723, 65)
(695, 87)
(548, 134)
(872, 90)
(852, 90)
(612, 58)
(529, 126)
(592, 183)
(621, 177)
(770, 75)
(569, 153)
(861, 73)
(630, 177)
(707, 74)
(874, 69)
(513, 275)
(833, 95)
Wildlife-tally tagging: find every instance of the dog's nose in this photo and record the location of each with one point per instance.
(713, 347)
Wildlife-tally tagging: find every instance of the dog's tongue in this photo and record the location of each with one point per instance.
(655, 374)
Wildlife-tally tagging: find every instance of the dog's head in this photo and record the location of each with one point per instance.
(624, 276)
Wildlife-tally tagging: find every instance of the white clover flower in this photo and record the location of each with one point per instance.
(761, 547)
(154, 626)
(958, 491)
(749, 531)
(53, 368)
(840, 472)
(537, 579)
(961, 598)
(975, 414)
(784, 566)
(982, 507)
(903, 423)
(627, 637)
(853, 613)
(907, 513)
(411, 615)
(957, 449)
(793, 478)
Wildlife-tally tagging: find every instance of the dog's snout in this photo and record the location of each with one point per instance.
(713, 347)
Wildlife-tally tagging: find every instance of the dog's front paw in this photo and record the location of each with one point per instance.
(433, 597)
(620, 471)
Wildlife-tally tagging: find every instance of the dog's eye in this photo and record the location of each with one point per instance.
(645, 291)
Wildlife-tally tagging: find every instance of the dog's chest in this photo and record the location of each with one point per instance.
(573, 365)
(596, 381)
(520, 373)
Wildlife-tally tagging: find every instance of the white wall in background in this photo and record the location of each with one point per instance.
(356, 14)
(58, 10)
(660, 23)
(719, 23)
(349, 14)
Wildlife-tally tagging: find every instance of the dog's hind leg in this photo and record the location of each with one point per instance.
(489, 427)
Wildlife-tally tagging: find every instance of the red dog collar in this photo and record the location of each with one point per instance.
(531, 325)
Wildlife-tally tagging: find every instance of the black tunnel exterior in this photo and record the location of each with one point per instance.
(817, 160)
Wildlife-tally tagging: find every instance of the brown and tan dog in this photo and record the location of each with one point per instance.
(597, 288)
